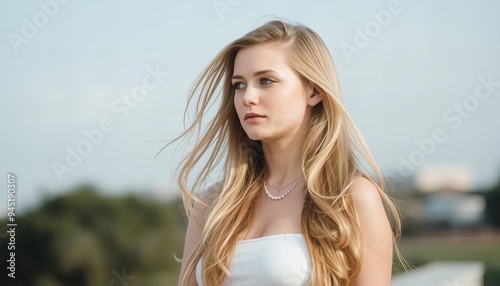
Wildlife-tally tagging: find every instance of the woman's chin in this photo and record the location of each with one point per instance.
(258, 136)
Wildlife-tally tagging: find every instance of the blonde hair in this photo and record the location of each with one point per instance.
(329, 163)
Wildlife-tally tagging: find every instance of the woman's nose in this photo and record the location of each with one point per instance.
(250, 96)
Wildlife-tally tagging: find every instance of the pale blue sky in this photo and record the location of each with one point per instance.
(67, 76)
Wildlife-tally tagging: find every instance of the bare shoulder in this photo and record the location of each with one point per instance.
(373, 219)
(370, 208)
(201, 209)
(365, 193)
(195, 228)
(377, 234)
(211, 192)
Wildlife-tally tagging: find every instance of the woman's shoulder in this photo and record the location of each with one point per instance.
(211, 193)
(370, 209)
(201, 207)
(367, 199)
(376, 232)
(364, 191)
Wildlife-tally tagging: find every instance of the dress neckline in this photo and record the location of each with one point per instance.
(270, 237)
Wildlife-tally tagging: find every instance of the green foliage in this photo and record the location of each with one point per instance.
(493, 206)
(83, 238)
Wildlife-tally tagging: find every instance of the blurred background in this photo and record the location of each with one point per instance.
(92, 90)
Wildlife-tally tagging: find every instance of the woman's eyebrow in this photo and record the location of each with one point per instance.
(255, 74)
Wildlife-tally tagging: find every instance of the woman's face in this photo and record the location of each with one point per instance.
(270, 98)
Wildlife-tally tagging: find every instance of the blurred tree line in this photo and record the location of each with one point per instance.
(493, 206)
(84, 238)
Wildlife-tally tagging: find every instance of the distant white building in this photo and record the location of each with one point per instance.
(456, 178)
(455, 210)
(449, 201)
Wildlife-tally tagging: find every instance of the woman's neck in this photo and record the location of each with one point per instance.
(283, 161)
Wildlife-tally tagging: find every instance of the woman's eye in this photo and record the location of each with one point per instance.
(238, 85)
(266, 81)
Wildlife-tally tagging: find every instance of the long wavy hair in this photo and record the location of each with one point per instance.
(329, 163)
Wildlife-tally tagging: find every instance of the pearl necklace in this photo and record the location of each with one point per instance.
(283, 195)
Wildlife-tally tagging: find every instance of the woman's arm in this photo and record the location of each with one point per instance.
(194, 232)
(377, 233)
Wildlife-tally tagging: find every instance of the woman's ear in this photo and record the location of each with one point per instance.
(314, 97)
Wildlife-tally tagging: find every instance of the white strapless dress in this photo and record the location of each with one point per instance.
(281, 259)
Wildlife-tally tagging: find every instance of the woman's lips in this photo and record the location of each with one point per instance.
(253, 116)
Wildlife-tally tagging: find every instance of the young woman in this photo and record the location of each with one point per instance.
(293, 206)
